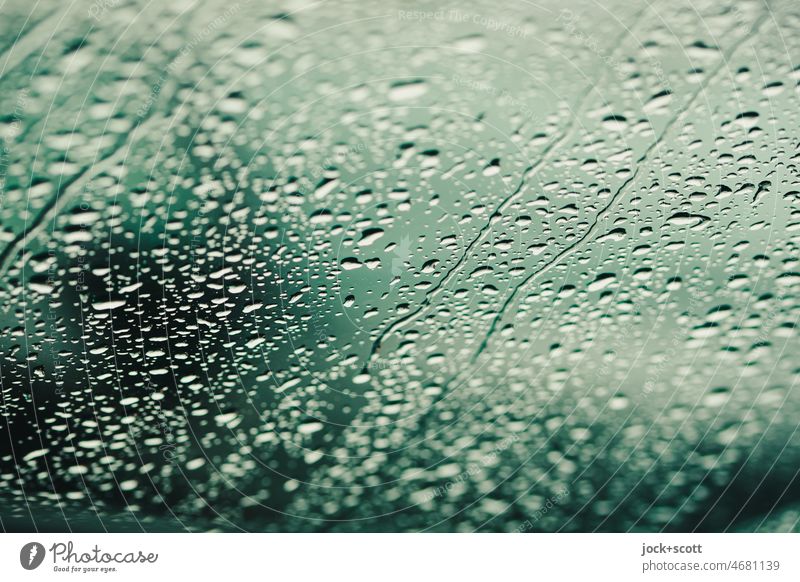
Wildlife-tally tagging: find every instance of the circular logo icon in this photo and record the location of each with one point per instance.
(31, 555)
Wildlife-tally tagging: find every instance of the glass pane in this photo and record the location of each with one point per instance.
(361, 266)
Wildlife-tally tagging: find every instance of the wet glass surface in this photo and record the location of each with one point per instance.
(362, 266)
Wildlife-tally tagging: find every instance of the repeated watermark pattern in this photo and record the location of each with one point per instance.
(461, 16)
(473, 469)
(99, 8)
(184, 52)
(546, 507)
(503, 96)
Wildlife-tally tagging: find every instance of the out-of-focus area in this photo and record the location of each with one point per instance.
(399, 266)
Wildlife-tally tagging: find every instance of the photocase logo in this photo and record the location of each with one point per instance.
(31, 555)
(402, 255)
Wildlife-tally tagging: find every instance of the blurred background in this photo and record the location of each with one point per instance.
(399, 266)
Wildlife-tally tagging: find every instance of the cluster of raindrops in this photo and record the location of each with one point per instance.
(347, 267)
